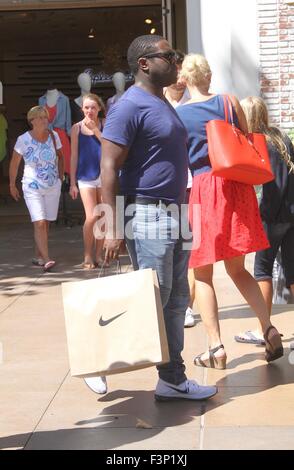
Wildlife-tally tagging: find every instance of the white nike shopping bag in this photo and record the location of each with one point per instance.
(114, 324)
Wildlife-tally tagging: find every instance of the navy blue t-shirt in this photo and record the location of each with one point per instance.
(157, 161)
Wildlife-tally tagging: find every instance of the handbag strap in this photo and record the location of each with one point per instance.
(228, 109)
(53, 139)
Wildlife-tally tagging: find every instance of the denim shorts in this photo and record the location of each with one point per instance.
(279, 235)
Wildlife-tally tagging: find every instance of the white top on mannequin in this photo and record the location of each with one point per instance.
(85, 83)
(119, 82)
(52, 97)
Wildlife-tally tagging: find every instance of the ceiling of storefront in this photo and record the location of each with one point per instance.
(40, 4)
(63, 26)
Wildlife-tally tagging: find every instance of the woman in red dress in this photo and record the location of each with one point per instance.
(224, 217)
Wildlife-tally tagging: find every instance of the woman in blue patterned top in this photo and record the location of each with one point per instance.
(41, 183)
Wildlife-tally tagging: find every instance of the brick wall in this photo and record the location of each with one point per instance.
(276, 46)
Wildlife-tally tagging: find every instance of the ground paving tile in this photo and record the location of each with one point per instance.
(43, 407)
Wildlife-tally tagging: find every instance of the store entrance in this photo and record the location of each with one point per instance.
(44, 48)
(47, 48)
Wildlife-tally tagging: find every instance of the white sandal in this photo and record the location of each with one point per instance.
(249, 337)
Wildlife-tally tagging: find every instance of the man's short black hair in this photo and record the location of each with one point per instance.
(139, 47)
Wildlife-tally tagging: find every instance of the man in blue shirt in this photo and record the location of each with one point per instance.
(144, 153)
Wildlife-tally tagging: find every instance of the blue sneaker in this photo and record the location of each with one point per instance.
(188, 390)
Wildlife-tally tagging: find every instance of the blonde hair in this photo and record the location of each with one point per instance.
(36, 111)
(195, 70)
(98, 100)
(256, 114)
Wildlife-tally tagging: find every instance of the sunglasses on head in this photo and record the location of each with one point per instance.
(170, 56)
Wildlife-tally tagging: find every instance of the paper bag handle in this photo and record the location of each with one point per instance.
(103, 268)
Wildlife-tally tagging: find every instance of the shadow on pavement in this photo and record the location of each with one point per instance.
(112, 430)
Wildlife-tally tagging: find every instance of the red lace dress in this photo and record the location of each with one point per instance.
(225, 219)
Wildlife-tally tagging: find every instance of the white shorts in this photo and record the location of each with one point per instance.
(42, 203)
(90, 184)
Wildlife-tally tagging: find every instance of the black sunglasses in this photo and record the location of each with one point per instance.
(170, 56)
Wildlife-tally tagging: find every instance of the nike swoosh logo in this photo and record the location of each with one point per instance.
(106, 322)
(177, 390)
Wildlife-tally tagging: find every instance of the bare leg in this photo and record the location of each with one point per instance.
(266, 287)
(37, 251)
(207, 304)
(88, 196)
(191, 279)
(99, 241)
(249, 288)
(41, 238)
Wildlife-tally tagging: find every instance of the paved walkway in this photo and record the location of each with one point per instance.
(43, 407)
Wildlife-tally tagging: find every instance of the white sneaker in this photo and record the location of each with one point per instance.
(97, 384)
(189, 318)
(189, 390)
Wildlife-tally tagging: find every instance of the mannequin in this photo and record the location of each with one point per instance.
(52, 97)
(58, 107)
(3, 146)
(3, 133)
(85, 82)
(119, 82)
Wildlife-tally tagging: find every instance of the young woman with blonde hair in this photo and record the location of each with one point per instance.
(85, 171)
(276, 207)
(224, 217)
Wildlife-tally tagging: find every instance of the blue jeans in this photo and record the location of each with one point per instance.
(153, 240)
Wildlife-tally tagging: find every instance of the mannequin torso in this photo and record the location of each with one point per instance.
(52, 97)
(79, 101)
(3, 134)
(58, 108)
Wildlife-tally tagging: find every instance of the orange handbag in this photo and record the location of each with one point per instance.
(235, 156)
